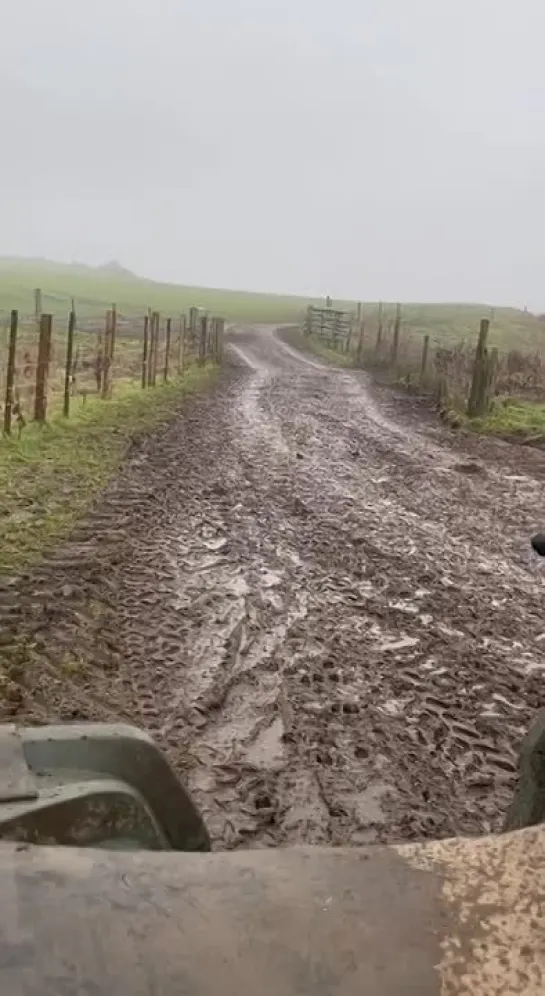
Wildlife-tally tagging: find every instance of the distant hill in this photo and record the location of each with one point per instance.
(96, 288)
(117, 269)
(24, 263)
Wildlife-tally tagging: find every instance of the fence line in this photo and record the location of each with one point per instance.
(46, 363)
(460, 375)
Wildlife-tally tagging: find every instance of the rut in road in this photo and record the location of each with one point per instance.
(325, 610)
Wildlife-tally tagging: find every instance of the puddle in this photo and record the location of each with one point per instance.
(534, 666)
(408, 607)
(403, 644)
(447, 631)
(509, 704)
(491, 711)
(367, 804)
(295, 558)
(393, 707)
(229, 733)
(270, 579)
(237, 586)
(469, 467)
(429, 664)
(216, 544)
(267, 750)
(307, 818)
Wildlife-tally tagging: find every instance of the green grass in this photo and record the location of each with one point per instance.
(447, 324)
(95, 289)
(513, 418)
(50, 476)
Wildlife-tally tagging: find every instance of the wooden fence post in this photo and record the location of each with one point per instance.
(99, 361)
(42, 368)
(217, 342)
(113, 332)
(221, 332)
(484, 369)
(202, 340)
(348, 340)
(212, 337)
(150, 348)
(68, 368)
(10, 373)
(145, 352)
(211, 340)
(359, 348)
(181, 345)
(424, 360)
(193, 332)
(167, 349)
(378, 342)
(395, 340)
(155, 321)
(337, 341)
(107, 356)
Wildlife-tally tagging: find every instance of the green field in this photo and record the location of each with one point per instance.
(95, 289)
(509, 327)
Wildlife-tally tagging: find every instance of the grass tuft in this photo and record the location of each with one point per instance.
(513, 418)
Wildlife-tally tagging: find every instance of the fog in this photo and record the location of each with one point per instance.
(387, 149)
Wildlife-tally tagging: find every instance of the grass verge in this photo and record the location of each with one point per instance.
(511, 418)
(49, 476)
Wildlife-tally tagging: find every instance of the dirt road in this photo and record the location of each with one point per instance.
(322, 605)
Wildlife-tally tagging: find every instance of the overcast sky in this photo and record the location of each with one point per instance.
(367, 148)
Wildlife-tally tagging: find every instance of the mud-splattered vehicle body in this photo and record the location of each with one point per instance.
(135, 903)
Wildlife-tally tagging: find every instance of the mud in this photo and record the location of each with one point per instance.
(322, 604)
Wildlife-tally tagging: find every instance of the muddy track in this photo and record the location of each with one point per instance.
(323, 607)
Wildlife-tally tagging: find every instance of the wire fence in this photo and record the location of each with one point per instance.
(467, 374)
(47, 365)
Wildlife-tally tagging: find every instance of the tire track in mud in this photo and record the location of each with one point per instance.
(332, 682)
(326, 614)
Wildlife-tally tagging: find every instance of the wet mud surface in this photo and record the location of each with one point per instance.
(323, 605)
